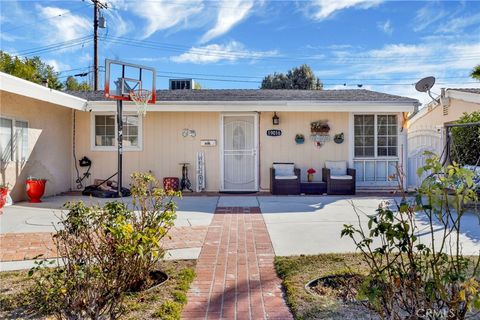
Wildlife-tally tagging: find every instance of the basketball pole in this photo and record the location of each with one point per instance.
(120, 145)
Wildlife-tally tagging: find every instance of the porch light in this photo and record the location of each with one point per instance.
(275, 119)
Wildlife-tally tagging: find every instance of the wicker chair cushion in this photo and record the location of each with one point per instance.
(341, 177)
(284, 170)
(337, 168)
(285, 177)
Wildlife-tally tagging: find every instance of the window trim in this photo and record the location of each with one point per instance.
(93, 147)
(14, 152)
(375, 156)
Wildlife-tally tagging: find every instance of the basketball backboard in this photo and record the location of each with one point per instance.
(122, 77)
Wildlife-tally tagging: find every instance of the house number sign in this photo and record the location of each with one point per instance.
(274, 133)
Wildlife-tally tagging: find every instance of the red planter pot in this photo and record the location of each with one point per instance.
(35, 190)
(3, 197)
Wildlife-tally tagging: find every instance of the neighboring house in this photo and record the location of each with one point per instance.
(426, 127)
(235, 122)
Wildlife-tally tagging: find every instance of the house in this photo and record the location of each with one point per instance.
(426, 127)
(233, 128)
(35, 135)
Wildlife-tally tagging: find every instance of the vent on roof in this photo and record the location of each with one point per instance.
(182, 84)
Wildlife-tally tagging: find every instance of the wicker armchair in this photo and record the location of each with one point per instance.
(285, 185)
(339, 184)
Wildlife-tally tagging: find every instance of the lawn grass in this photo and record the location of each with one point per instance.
(165, 302)
(296, 271)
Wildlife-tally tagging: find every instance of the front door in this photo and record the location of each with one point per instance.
(239, 152)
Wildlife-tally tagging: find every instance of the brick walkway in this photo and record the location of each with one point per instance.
(236, 278)
(25, 246)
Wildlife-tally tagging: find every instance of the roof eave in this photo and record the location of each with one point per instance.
(15, 85)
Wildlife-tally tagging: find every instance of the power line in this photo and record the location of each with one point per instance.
(55, 46)
(239, 55)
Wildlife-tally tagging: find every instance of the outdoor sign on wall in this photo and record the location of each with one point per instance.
(274, 133)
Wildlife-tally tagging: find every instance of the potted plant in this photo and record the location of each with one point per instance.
(310, 173)
(299, 138)
(35, 189)
(3, 195)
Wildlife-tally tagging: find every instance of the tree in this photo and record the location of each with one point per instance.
(476, 73)
(31, 69)
(197, 86)
(72, 84)
(298, 78)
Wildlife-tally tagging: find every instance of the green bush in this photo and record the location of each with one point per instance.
(466, 140)
(106, 252)
(408, 276)
(169, 310)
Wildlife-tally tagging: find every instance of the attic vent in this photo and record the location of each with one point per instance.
(445, 109)
(181, 84)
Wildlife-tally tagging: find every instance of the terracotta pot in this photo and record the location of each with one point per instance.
(3, 197)
(35, 190)
(310, 177)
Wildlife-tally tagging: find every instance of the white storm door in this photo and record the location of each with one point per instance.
(239, 153)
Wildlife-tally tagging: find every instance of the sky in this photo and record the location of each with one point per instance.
(373, 44)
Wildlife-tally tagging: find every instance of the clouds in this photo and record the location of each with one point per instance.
(229, 14)
(386, 27)
(214, 53)
(67, 26)
(164, 14)
(322, 9)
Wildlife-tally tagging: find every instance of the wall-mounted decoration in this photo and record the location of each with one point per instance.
(274, 133)
(338, 138)
(208, 142)
(299, 138)
(275, 119)
(320, 126)
(189, 132)
(319, 130)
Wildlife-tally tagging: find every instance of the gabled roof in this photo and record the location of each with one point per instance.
(12, 84)
(238, 95)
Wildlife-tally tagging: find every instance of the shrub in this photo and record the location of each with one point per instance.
(169, 310)
(466, 140)
(106, 252)
(408, 276)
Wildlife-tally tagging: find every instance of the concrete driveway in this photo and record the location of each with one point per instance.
(312, 225)
(42, 217)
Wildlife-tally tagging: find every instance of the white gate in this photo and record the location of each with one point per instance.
(239, 156)
(419, 141)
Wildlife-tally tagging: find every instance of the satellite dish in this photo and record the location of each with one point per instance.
(425, 84)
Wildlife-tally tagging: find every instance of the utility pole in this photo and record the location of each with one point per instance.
(97, 5)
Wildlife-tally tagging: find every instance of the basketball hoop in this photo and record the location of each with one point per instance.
(141, 98)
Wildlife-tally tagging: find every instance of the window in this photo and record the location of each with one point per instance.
(21, 135)
(104, 127)
(13, 140)
(375, 136)
(364, 135)
(387, 131)
(6, 138)
(105, 130)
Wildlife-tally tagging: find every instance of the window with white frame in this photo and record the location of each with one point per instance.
(375, 136)
(13, 140)
(105, 132)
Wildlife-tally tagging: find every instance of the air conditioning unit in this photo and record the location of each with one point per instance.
(182, 84)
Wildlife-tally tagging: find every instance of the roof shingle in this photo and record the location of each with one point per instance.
(347, 95)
